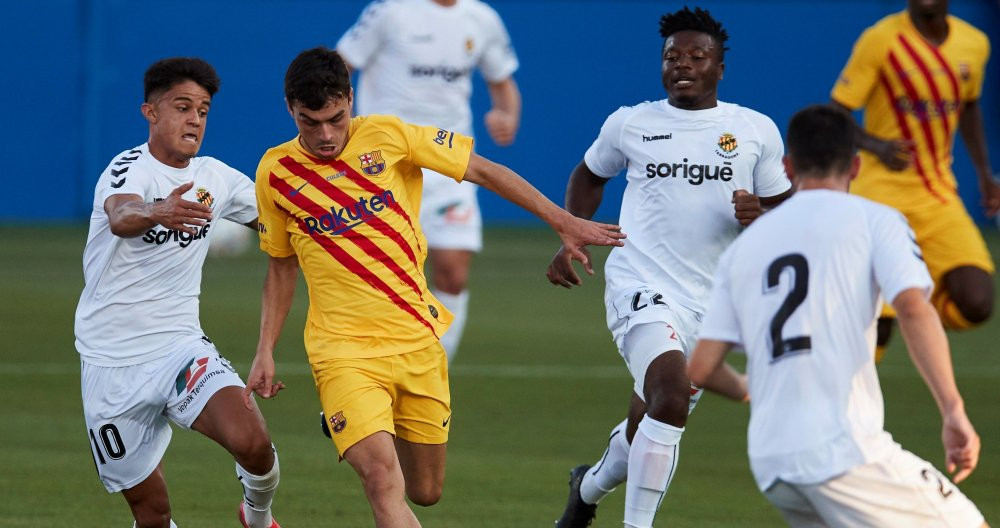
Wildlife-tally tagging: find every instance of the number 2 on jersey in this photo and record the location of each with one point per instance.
(800, 287)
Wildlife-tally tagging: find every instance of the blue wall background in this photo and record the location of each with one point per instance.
(73, 82)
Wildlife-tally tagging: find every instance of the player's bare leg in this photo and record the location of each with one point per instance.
(450, 275)
(655, 447)
(241, 431)
(375, 461)
(148, 501)
(423, 467)
(968, 299)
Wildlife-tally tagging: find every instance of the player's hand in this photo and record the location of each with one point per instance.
(897, 154)
(990, 190)
(961, 446)
(261, 380)
(561, 271)
(746, 206)
(501, 126)
(175, 212)
(576, 234)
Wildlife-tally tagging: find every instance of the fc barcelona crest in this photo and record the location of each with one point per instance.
(372, 162)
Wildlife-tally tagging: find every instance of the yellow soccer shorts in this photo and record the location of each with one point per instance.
(948, 239)
(405, 395)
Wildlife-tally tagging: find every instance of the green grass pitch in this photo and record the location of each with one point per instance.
(535, 389)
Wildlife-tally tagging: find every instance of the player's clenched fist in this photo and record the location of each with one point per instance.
(746, 207)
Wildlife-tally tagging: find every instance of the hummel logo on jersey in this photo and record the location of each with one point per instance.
(184, 239)
(646, 138)
(694, 174)
(118, 173)
(344, 219)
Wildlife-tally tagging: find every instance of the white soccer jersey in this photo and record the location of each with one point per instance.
(416, 59)
(140, 297)
(683, 167)
(800, 290)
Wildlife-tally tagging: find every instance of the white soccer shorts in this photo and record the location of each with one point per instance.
(127, 408)
(645, 324)
(902, 490)
(449, 213)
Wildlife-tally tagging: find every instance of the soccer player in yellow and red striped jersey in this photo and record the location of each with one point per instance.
(341, 201)
(918, 74)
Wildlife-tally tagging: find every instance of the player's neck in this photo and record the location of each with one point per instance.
(164, 156)
(829, 183)
(445, 3)
(934, 28)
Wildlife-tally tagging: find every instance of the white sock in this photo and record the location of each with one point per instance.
(651, 464)
(458, 305)
(610, 471)
(258, 490)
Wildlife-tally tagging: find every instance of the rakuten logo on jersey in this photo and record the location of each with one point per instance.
(172, 235)
(694, 174)
(344, 219)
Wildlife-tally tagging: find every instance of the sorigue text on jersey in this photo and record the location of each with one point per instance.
(184, 239)
(693, 173)
(346, 218)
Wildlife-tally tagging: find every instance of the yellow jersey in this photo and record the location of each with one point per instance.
(352, 222)
(911, 89)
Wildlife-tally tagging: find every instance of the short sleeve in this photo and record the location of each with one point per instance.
(897, 260)
(242, 207)
(439, 150)
(977, 71)
(769, 178)
(605, 157)
(720, 322)
(861, 72)
(498, 61)
(360, 43)
(124, 178)
(272, 219)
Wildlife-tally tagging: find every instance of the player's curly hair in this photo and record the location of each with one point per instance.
(163, 74)
(698, 20)
(315, 76)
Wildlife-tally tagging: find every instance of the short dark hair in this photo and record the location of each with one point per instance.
(165, 73)
(698, 20)
(316, 76)
(821, 140)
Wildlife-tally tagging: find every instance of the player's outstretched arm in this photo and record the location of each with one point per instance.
(928, 347)
(584, 193)
(970, 125)
(576, 233)
(130, 217)
(279, 290)
(896, 154)
(707, 369)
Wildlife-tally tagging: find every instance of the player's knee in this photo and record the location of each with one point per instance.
(668, 403)
(976, 307)
(151, 515)
(424, 493)
(451, 280)
(380, 480)
(254, 452)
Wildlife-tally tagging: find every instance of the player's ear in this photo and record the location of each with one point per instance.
(855, 167)
(789, 170)
(288, 105)
(722, 69)
(149, 112)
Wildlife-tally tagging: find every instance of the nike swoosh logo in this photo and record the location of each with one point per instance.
(293, 192)
(445, 422)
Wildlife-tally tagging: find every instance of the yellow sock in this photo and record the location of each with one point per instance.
(879, 353)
